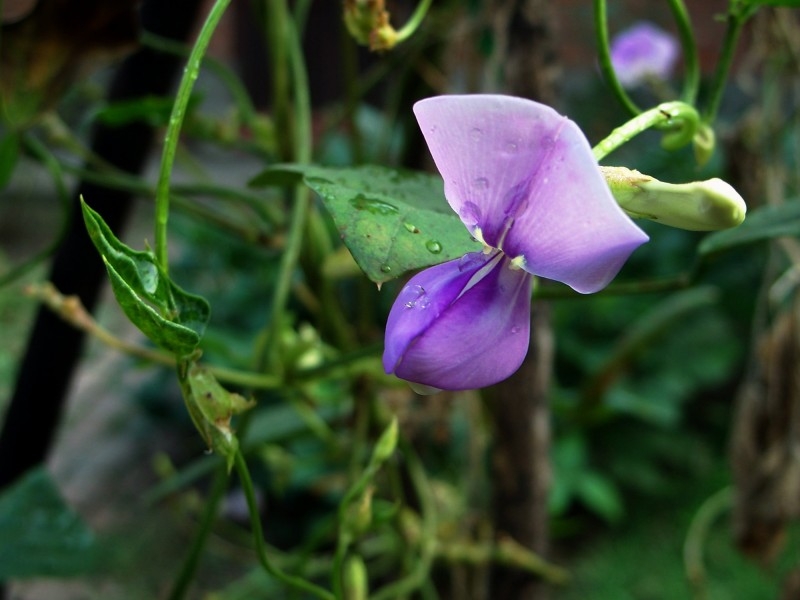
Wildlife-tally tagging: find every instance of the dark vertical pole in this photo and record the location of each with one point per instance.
(54, 347)
(524, 31)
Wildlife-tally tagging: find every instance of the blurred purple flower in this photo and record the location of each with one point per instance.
(524, 181)
(643, 51)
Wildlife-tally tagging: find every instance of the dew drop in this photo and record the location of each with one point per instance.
(376, 207)
(468, 261)
(315, 181)
(476, 135)
(481, 183)
(433, 246)
(411, 228)
(512, 147)
(470, 214)
(419, 298)
(386, 269)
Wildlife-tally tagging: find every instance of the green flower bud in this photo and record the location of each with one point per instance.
(386, 444)
(358, 515)
(697, 206)
(354, 579)
(368, 23)
(211, 407)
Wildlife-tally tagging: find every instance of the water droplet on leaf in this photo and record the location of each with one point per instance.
(386, 269)
(376, 207)
(411, 228)
(433, 246)
(314, 181)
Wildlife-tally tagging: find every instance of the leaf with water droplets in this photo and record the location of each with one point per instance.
(392, 221)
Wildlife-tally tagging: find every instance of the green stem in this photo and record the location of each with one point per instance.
(604, 57)
(691, 64)
(75, 314)
(301, 197)
(269, 214)
(279, 26)
(173, 129)
(697, 535)
(414, 21)
(681, 118)
(50, 162)
(189, 566)
(735, 22)
(258, 537)
(227, 77)
(422, 565)
(337, 566)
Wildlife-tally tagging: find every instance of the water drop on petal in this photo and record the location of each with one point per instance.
(418, 297)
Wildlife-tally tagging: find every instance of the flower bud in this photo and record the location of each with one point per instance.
(386, 444)
(211, 408)
(358, 516)
(697, 206)
(368, 23)
(355, 579)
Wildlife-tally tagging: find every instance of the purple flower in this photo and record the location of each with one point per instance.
(643, 51)
(523, 180)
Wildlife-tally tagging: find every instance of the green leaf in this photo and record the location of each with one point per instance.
(169, 316)
(392, 221)
(39, 534)
(764, 223)
(600, 496)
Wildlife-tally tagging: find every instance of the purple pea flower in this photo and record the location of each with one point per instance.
(643, 51)
(524, 181)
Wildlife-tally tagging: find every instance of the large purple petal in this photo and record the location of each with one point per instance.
(524, 178)
(459, 325)
(488, 149)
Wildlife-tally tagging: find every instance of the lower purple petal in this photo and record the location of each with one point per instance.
(463, 324)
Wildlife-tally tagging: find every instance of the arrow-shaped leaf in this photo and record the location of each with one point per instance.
(391, 220)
